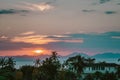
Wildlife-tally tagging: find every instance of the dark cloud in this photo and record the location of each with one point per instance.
(117, 33)
(12, 11)
(88, 10)
(8, 45)
(50, 2)
(103, 1)
(110, 12)
(118, 3)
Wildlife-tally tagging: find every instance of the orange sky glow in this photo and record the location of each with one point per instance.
(27, 51)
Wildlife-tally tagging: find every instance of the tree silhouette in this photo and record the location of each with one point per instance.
(50, 67)
(98, 75)
(118, 72)
(90, 60)
(27, 72)
(66, 75)
(10, 62)
(2, 62)
(89, 77)
(37, 62)
(78, 63)
(7, 68)
(110, 76)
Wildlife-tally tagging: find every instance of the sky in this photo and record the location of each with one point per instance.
(65, 26)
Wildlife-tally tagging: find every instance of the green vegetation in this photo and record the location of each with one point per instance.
(52, 69)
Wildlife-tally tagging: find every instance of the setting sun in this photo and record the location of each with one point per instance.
(38, 51)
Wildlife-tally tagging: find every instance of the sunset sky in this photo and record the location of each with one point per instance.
(65, 26)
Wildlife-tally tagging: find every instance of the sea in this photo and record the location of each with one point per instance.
(22, 63)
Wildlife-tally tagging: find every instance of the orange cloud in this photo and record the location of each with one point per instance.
(27, 33)
(61, 36)
(36, 39)
(41, 7)
(3, 37)
(44, 39)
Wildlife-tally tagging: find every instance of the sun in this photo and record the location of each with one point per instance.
(38, 51)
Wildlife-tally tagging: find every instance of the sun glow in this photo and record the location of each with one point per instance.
(41, 6)
(38, 51)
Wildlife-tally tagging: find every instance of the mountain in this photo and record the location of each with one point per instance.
(99, 57)
(27, 57)
(64, 58)
(107, 55)
(77, 53)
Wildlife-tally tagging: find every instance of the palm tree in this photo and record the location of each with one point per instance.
(118, 72)
(27, 71)
(89, 77)
(98, 75)
(118, 59)
(37, 63)
(110, 76)
(50, 68)
(2, 62)
(66, 75)
(78, 63)
(11, 62)
(90, 60)
(7, 68)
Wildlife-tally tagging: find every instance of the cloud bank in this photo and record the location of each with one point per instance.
(44, 6)
(110, 12)
(79, 41)
(12, 11)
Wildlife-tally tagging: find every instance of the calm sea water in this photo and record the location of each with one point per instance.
(21, 63)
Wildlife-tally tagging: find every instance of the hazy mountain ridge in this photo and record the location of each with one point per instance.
(109, 55)
(77, 53)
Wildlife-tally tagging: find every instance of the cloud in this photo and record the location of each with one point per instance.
(65, 42)
(3, 37)
(33, 39)
(57, 36)
(74, 41)
(28, 33)
(110, 12)
(45, 39)
(8, 45)
(113, 33)
(12, 11)
(103, 1)
(116, 37)
(118, 3)
(88, 10)
(44, 6)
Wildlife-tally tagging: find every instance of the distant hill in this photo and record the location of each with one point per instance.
(64, 58)
(102, 56)
(77, 53)
(28, 58)
(107, 55)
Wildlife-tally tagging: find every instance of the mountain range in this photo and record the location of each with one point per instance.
(103, 56)
(107, 55)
